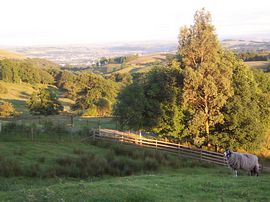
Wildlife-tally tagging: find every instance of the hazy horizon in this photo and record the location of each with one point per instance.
(43, 23)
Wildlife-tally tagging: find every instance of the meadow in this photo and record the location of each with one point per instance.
(52, 169)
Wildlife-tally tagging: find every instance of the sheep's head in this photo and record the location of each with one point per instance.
(227, 153)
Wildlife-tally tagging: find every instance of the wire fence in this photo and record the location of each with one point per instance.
(51, 128)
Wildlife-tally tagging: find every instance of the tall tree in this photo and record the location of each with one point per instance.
(208, 73)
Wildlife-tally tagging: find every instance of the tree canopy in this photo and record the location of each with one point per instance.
(205, 95)
(44, 102)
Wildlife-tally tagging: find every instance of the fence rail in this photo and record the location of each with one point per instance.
(181, 150)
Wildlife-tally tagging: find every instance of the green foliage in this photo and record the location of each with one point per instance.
(6, 109)
(206, 97)
(208, 73)
(44, 102)
(66, 81)
(153, 103)
(163, 92)
(9, 70)
(124, 78)
(103, 107)
(246, 113)
(95, 91)
(130, 106)
(16, 71)
(91, 111)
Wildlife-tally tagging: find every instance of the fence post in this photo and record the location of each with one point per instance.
(71, 121)
(32, 133)
(140, 134)
(94, 136)
(178, 149)
(201, 155)
(0, 126)
(156, 144)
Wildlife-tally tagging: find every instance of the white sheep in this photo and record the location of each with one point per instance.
(237, 161)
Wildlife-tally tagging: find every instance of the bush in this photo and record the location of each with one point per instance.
(122, 150)
(86, 165)
(78, 151)
(6, 109)
(33, 171)
(9, 168)
(92, 111)
(41, 159)
(44, 102)
(19, 152)
(151, 164)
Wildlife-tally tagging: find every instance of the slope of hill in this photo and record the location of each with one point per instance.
(263, 65)
(143, 63)
(19, 93)
(246, 45)
(10, 55)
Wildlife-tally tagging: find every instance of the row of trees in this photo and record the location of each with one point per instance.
(254, 56)
(206, 96)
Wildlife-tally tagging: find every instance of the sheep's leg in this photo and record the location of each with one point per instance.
(256, 170)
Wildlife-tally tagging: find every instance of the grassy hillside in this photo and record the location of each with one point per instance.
(10, 55)
(191, 181)
(259, 64)
(148, 58)
(141, 64)
(18, 94)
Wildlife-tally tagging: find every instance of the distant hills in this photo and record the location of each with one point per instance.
(87, 55)
(247, 46)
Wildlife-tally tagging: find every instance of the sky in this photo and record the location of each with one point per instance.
(48, 22)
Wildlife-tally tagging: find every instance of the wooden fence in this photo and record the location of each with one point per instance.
(181, 150)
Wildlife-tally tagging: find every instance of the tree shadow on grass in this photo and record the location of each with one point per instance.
(20, 105)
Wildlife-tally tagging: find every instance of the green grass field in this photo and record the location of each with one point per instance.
(195, 184)
(182, 181)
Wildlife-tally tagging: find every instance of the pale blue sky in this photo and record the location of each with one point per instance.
(45, 22)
